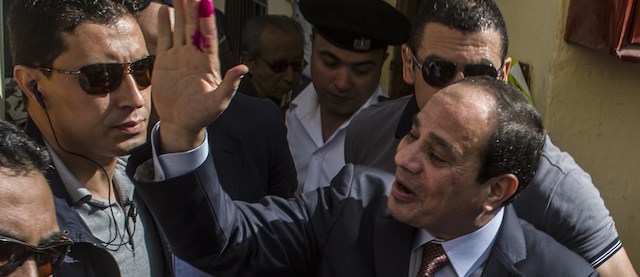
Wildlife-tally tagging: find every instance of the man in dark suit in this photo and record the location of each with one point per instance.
(452, 188)
(250, 150)
(453, 39)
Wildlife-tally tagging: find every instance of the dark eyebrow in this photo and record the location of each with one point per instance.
(481, 61)
(53, 237)
(329, 54)
(438, 140)
(8, 234)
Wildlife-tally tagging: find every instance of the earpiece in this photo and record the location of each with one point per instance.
(38, 96)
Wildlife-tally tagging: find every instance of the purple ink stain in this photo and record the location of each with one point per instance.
(205, 9)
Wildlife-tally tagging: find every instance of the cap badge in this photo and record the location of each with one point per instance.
(361, 44)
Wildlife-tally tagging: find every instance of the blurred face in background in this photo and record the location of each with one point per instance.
(278, 67)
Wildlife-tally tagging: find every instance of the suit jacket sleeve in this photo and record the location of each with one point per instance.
(207, 229)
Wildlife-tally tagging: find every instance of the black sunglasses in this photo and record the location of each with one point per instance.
(439, 73)
(138, 5)
(280, 67)
(103, 78)
(13, 253)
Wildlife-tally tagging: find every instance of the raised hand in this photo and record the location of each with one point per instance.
(188, 92)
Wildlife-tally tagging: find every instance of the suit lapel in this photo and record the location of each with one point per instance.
(392, 247)
(509, 248)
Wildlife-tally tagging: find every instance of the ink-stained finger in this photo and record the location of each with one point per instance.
(208, 27)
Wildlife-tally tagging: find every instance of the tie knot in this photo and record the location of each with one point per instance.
(433, 259)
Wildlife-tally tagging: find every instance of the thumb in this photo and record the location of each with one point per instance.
(232, 78)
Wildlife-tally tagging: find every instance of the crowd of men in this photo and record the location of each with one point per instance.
(284, 177)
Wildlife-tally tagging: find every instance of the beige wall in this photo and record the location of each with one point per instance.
(590, 103)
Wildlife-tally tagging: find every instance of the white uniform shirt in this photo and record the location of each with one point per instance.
(316, 161)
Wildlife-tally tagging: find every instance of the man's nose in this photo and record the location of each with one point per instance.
(343, 80)
(28, 269)
(130, 94)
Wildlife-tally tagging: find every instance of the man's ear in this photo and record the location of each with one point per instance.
(501, 188)
(407, 64)
(505, 69)
(27, 78)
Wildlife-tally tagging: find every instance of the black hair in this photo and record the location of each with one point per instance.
(19, 154)
(467, 16)
(516, 144)
(36, 26)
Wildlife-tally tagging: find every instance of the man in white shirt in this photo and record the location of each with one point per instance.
(350, 42)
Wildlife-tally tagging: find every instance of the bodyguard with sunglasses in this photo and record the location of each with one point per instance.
(85, 72)
(31, 243)
(453, 39)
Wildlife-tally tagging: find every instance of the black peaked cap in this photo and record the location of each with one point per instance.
(357, 25)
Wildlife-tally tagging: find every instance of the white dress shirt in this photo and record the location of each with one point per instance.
(467, 254)
(316, 161)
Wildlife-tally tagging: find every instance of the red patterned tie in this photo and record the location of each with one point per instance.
(433, 259)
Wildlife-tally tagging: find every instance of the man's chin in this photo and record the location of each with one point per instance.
(127, 146)
(396, 210)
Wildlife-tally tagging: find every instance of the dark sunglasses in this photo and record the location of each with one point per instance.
(138, 5)
(280, 67)
(13, 253)
(439, 73)
(103, 78)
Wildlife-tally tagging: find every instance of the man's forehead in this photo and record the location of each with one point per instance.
(462, 47)
(92, 42)
(460, 97)
(26, 223)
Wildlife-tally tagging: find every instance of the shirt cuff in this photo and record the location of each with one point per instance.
(171, 165)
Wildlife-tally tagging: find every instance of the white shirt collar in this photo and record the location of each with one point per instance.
(78, 192)
(466, 253)
(307, 108)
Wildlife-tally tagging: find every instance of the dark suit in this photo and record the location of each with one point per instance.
(341, 230)
(250, 150)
